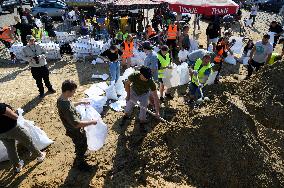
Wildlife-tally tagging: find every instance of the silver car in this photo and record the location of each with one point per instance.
(52, 8)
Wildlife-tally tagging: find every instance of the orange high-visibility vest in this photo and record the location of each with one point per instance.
(6, 35)
(128, 50)
(172, 32)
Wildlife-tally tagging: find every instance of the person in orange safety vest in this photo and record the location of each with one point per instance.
(127, 48)
(172, 35)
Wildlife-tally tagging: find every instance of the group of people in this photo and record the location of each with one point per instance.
(144, 87)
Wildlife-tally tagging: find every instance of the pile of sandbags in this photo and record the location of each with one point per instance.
(65, 37)
(86, 45)
(52, 50)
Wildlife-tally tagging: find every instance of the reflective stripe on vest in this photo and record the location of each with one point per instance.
(172, 32)
(6, 35)
(164, 63)
(128, 50)
(201, 72)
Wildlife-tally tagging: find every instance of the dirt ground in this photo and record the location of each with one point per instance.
(235, 140)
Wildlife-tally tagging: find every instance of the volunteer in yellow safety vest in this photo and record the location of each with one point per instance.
(120, 36)
(37, 33)
(164, 62)
(199, 75)
(127, 48)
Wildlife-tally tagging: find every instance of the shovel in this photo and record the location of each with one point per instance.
(152, 113)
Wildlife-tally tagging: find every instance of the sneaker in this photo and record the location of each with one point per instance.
(51, 90)
(20, 167)
(41, 158)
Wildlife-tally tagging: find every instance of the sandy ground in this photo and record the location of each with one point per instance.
(129, 158)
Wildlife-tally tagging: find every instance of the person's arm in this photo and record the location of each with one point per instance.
(127, 84)
(81, 102)
(82, 124)
(252, 53)
(11, 114)
(268, 58)
(156, 102)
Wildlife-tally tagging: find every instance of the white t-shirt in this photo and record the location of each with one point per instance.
(254, 10)
(262, 51)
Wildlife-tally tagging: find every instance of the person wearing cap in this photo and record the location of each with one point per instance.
(277, 29)
(35, 55)
(199, 75)
(112, 55)
(139, 86)
(151, 59)
(260, 54)
(48, 25)
(164, 62)
(127, 48)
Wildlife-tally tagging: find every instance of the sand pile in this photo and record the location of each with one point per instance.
(234, 141)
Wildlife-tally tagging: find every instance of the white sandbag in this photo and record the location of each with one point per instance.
(184, 73)
(38, 23)
(98, 102)
(102, 85)
(119, 87)
(127, 73)
(211, 78)
(39, 137)
(3, 152)
(94, 90)
(182, 55)
(271, 34)
(103, 76)
(230, 59)
(118, 105)
(171, 77)
(111, 93)
(96, 134)
(238, 45)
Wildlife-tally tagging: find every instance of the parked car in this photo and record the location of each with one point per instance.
(272, 5)
(8, 5)
(54, 9)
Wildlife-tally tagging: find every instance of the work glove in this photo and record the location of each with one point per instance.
(195, 73)
(200, 85)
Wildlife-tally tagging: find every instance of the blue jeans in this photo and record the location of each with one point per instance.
(114, 69)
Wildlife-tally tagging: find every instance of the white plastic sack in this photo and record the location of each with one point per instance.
(193, 45)
(98, 102)
(39, 137)
(230, 59)
(111, 93)
(94, 90)
(119, 87)
(103, 76)
(171, 77)
(127, 73)
(184, 73)
(182, 55)
(271, 34)
(96, 134)
(118, 105)
(238, 45)
(3, 152)
(211, 78)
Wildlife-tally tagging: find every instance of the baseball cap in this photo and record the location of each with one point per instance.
(30, 37)
(147, 45)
